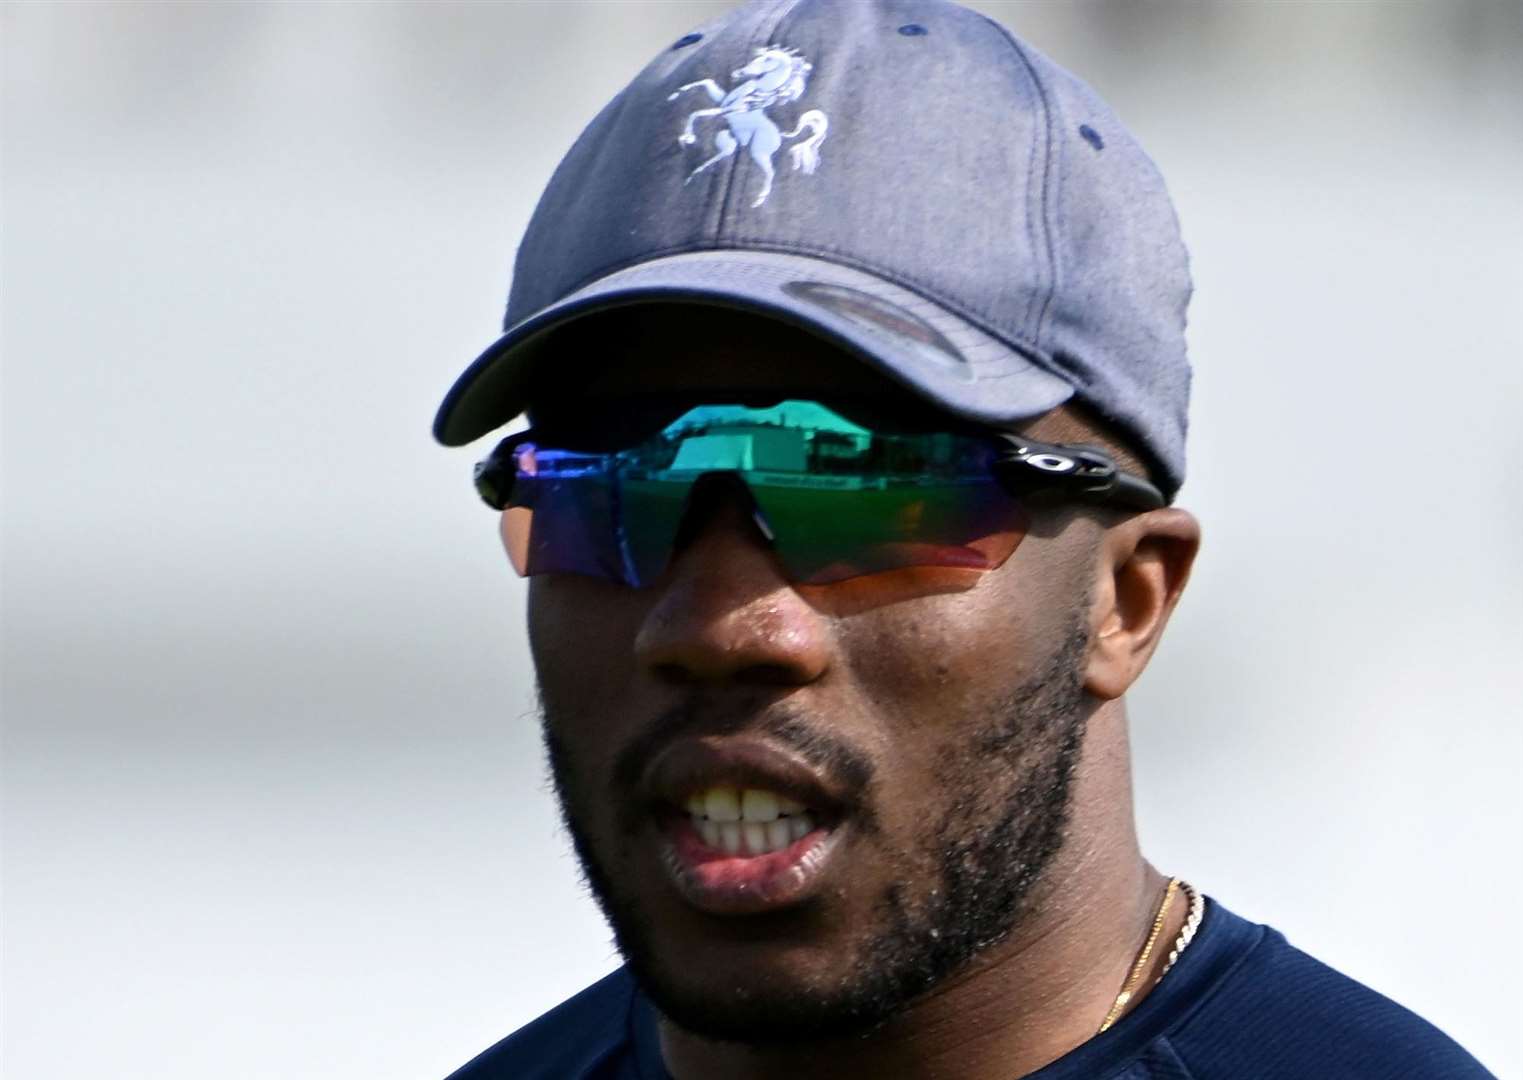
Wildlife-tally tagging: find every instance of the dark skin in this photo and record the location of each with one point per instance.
(904, 667)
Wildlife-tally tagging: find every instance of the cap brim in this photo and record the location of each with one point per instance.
(938, 354)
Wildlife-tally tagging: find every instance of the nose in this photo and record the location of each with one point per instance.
(726, 613)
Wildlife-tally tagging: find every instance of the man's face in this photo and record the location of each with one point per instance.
(928, 721)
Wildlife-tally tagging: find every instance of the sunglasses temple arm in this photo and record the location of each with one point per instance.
(494, 474)
(1135, 492)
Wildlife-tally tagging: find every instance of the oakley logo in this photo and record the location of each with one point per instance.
(1052, 462)
(776, 76)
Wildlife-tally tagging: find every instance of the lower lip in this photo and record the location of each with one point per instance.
(723, 884)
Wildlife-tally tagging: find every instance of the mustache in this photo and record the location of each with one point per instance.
(846, 766)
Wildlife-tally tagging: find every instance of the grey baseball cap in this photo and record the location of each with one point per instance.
(904, 178)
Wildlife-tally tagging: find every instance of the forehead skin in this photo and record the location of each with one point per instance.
(654, 348)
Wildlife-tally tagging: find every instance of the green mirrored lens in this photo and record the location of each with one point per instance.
(822, 537)
(837, 500)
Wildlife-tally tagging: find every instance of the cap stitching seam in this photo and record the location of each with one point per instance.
(1047, 231)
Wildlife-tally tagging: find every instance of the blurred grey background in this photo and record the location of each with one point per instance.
(273, 798)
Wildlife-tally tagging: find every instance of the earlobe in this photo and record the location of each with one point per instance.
(1144, 563)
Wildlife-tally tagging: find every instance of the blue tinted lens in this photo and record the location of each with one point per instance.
(836, 499)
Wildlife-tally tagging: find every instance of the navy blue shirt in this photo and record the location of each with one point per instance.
(1240, 1004)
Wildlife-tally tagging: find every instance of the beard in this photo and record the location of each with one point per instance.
(997, 817)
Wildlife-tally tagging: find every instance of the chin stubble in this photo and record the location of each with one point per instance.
(962, 888)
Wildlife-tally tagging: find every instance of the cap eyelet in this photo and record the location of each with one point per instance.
(913, 30)
(1091, 136)
(685, 40)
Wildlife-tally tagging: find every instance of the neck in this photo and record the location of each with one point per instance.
(1022, 1003)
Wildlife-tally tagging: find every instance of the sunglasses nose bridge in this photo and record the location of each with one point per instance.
(723, 609)
(714, 497)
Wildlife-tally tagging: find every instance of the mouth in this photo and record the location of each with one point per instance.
(744, 828)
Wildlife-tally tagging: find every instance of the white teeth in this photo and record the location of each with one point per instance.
(757, 805)
(779, 834)
(722, 804)
(709, 830)
(749, 821)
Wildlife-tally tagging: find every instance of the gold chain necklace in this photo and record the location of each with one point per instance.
(1186, 932)
(1134, 977)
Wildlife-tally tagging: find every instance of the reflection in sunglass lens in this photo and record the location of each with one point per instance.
(837, 500)
(824, 537)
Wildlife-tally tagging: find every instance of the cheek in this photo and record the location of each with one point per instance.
(580, 631)
(930, 657)
(579, 634)
(938, 671)
(930, 674)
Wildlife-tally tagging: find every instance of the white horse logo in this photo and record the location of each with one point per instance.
(775, 76)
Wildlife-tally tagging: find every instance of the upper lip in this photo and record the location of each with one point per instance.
(696, 763)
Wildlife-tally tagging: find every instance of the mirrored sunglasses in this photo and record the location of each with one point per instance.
(834, 498)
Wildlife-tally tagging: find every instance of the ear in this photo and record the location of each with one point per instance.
(1143, 564)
